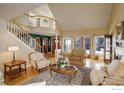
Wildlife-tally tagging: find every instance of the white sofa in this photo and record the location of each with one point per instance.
(112, 75)
(1, 78)
(38, 60)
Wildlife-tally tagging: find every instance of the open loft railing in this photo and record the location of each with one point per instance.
(41, 21)
(24, 36)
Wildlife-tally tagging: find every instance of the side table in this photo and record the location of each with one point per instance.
(12, 69)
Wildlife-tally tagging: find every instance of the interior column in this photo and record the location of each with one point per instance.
(56, 42)
(92, 46)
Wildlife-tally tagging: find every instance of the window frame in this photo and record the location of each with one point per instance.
(65, 38)
(84, 43)
(98, 52)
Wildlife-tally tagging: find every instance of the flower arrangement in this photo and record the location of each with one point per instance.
(62, 62)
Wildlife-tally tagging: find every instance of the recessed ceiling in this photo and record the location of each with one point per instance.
(72, 17)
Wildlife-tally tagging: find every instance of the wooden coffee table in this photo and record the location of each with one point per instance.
(68, 70)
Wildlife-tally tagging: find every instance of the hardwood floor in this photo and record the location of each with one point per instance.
(20, 80)
(94, 63)
(33, 73)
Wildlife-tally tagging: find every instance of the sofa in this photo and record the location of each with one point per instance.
(76, 57)
(1, 78)
(113, 74)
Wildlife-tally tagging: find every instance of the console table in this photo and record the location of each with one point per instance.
(13, 69)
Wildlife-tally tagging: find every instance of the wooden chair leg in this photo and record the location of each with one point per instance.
(39, 70)
(32, 68)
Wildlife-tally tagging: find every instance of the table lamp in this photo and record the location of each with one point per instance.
(13, 49)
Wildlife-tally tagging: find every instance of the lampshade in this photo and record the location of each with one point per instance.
(13, 48)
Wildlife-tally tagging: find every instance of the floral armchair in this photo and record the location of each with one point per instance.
(38, 61)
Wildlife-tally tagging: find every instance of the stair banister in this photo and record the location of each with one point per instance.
(22, 35)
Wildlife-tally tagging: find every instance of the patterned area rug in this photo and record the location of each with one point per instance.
(81, 78)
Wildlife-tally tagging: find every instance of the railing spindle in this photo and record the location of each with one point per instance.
(21, 34)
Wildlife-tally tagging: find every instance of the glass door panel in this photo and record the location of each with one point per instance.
(87, 45)
(78, 43)
(67, 44)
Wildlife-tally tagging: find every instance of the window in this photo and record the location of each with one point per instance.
(99, 44)
(67, 44)
(78, 43)
(87, 41)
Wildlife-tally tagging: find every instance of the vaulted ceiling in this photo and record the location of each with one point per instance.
(11, 10)
(43, 10)
(73, 17)
(70, 17)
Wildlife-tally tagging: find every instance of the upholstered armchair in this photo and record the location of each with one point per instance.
(38, 61)
(111, 75)
(76, 57)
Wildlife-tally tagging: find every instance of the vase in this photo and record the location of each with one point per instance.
(62, 65)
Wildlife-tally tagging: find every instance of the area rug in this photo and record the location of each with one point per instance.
(82, 78)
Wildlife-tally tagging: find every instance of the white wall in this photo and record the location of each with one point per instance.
(12, 10)
(3, 24)
(116, 17)
(7, 39)
(23, 21)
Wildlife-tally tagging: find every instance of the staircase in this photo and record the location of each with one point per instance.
(24, 36)
(15, 29)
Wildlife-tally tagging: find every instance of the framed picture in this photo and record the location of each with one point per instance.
(120, 31)
(108, 48)
(44, 22)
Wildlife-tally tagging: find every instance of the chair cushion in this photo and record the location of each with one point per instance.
(119, 71)
(42, 64)
(38, 60)
(97, 76)
(75, 58)
(112, 67)
(116, 69)
(77, 52)
(122, 59)
(113, 81)
(36, 56)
